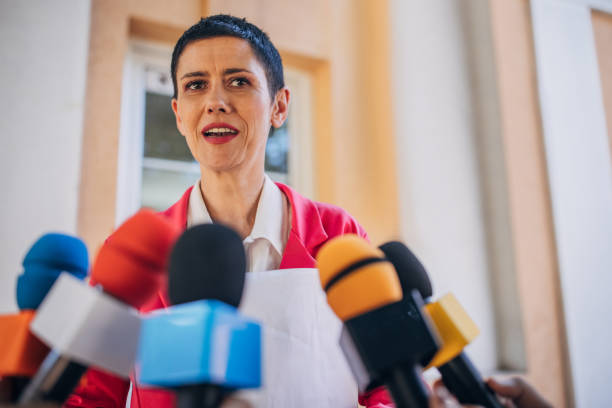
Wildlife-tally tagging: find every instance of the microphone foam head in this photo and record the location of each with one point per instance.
(131, 264)
(207, 262)
(356, 276)
(410, 270)
(50, 255)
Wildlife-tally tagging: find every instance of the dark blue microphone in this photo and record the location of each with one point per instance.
(202, 348)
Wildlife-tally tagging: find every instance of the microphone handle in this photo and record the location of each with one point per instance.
(200, 396)
(54, 381)
(463, 380)
(11, 387)
(407, 387)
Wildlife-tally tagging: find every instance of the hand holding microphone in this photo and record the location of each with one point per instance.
(514, 393)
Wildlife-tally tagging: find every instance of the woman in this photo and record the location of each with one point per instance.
(228, 91)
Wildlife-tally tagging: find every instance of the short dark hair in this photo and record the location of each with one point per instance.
(222, 25)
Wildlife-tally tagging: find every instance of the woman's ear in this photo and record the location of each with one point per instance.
(280, 108)
(177, 116)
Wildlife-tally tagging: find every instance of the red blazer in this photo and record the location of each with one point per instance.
(312, 224)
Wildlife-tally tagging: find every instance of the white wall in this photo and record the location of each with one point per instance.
(441, 206)
(42, 77)
(580, 174)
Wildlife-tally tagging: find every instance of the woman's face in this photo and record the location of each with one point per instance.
(223, 107)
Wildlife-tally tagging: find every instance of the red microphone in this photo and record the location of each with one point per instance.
(100, 328)
(131, 265)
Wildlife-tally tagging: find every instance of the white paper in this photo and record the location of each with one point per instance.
(303, 365)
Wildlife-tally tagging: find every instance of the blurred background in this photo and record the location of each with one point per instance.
(478, 132)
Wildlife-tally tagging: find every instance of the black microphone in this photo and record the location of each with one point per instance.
(390, 337)
(205, 284)
(454, 325)
(207, 262)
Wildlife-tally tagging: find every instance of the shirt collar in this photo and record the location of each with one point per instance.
(269, 216)
(268, 224)
(197, 212)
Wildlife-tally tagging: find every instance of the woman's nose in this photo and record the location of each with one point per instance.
(217, 102)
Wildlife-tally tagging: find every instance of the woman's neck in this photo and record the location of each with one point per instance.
(231, 199)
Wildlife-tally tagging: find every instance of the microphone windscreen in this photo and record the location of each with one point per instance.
(356, 276)
(131, 264)
(21, 351)
(411, 272)
(207, 262)
(148, 236)
(50, 255)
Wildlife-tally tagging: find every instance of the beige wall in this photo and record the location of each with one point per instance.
(113, 23)
(602, 27)
(530, 208)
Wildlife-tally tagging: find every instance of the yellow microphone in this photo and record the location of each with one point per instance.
(455, 327)
(453, 324)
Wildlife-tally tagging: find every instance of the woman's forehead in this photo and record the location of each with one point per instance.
(218, 54)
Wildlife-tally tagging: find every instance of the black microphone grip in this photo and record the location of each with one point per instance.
(201, 396)
(407, 388)
(463, 380)
(55, 380)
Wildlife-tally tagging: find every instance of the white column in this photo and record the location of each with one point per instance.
(580, 174)
(441, 206)
(42, 77)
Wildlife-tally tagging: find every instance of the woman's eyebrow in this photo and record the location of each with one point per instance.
(195, 74)
(230, 71)
(227, 71)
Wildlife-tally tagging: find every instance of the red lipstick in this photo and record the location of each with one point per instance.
(219, 132)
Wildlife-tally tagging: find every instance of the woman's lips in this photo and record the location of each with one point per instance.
(219, 133)
(219, 139)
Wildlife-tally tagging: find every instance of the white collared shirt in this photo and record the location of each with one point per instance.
(265, 244)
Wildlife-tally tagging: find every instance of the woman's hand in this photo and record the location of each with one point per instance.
(518, 392)
(513, 392)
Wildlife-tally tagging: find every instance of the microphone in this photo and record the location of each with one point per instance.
(99, 326)
(22, 352)
(390, 336)
(455, 327)
(201, 347)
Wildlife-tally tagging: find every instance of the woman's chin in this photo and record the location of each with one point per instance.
(219, 167)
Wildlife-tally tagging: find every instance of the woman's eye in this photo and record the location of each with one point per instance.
(239, 82)
(194, 85)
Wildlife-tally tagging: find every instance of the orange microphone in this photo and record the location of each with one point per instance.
(388, 337)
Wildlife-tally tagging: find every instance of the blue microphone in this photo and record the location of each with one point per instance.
(202, 347)
(200, 342)
(51, 255)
